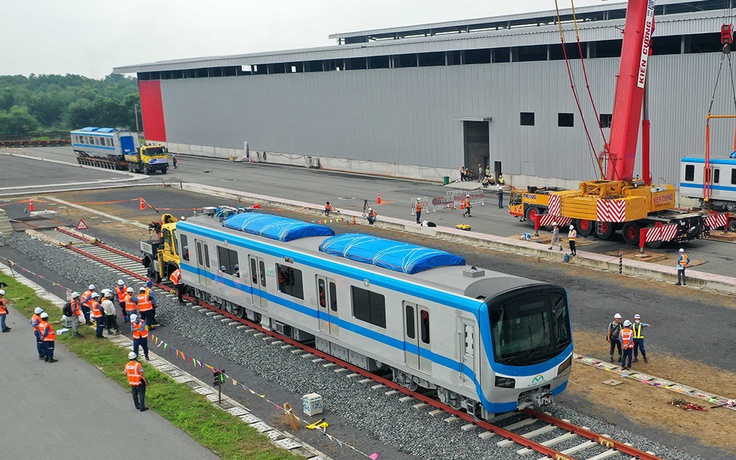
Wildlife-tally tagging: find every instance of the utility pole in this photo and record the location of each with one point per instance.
(135, 108)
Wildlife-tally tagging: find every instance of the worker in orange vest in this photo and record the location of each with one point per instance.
(178, 284)
(467, 206)
(139, 329)
(572, 237)
(85, 301)
(76, 307)
(3, 312)
(121, 291)
(152, 323)
(48, 337)
(682, 262)
(627, 343)
(97, 314)
(35, 321)
(130, 305)
(145, 306)
(137, 381)
(418, 210)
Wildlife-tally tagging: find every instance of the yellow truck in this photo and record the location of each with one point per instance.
(161, 250)
(147, 159)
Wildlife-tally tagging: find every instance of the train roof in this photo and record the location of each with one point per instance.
(469, 281)
(275, 227)
(393, 255)
(93, 129)
(701, 160)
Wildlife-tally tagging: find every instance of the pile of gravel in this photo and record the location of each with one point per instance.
(396, 423)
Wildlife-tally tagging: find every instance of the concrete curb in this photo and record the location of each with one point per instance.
(632, 268)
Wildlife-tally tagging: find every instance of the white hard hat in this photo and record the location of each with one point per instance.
(2, 291)
(627, 323)
(370, 209)
(130, 289)
(682, 250)
(44, 315)
(91, 287)
(617, 316)
(133, 317)
(554, 223)
(467, 196)
(572, 227)
(95, 295)
(38, 310)
(75, 294)
(132, 355)
(637, 316)
(419, 199)
(142, 288)
(121, 282)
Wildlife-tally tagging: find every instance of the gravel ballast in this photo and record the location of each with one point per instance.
(371, 411)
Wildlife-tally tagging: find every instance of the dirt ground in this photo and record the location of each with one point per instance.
(649, 405)
(643, 404)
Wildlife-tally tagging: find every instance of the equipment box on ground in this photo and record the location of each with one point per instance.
(312, 404)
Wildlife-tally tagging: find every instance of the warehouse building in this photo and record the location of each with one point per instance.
(420, 101)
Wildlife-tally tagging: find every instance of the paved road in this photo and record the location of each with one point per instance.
(348, 191)
(71, 410)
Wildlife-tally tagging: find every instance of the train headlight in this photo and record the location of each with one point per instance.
(505, 382)
(564, 366)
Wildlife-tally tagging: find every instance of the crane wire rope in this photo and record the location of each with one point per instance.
(585, 73)
(575, 92)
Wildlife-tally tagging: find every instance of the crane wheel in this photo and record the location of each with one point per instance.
(531, 214)
(604, 230)
(585, 227)
(732, 225)
(630, 231)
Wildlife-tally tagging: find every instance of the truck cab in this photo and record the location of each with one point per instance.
(148, 158)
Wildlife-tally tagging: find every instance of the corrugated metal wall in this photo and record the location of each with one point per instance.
(414, 116)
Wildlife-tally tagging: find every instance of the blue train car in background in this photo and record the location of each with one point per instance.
(112, 148)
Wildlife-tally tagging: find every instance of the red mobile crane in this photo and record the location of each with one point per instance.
(621, 202)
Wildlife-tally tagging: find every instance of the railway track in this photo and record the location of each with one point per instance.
(528, 432)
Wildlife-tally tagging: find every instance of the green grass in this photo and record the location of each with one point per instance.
(215, 429)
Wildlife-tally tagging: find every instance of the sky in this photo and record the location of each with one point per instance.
(89, 38)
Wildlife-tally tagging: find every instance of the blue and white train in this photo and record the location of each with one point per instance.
(723, 181)
(486, 341)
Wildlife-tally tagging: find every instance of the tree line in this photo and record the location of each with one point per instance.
(40, 104)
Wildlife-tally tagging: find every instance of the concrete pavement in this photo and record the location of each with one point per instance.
(70, 410)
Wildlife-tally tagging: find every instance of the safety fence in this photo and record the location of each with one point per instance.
(423, 201)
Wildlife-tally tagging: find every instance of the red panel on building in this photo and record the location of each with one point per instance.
(152, 110)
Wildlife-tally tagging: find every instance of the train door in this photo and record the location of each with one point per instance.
(127, 145)
(203, 263)
(416, 337)
(469, 352)
(327, 301)
(257, 281)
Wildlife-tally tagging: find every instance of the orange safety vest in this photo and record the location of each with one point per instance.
(683, 260)
(121, 292)
(627, 338)
(133, 372)
(129, 304)
(467, 203)
(140, 330)
(176, 276)
(572, 235)
(3, 308)
(86, 297)
(418, 207)
(96, 310)
(35, 321)
(144, 302)
(42, 328)
(74, 304)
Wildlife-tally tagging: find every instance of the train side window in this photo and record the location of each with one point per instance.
(369, 306)
(262, 270)
(689, 173)
(424, 326)
(716, 175)
(228, 261)
(733, 176)
(321, 293)
(290, 281)
(333, 297)
(185, 247)
(409, 319)
(206, 256)
(253, 271)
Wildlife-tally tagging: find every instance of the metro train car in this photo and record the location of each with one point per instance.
(723, 184)
(485, 341)
(104, 143)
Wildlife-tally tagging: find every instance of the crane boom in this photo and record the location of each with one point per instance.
(629, 96)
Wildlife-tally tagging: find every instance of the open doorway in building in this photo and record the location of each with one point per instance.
(476, 136)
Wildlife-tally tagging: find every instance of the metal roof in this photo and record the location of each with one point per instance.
(533, 33)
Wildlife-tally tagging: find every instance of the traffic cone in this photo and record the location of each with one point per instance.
(143, 204)
(462, 206)
(30, 206)
(378, 199)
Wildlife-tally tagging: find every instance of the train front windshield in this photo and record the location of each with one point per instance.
(529, 326)
(156, 150)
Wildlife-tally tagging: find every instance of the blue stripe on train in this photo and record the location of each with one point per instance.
(699, 186)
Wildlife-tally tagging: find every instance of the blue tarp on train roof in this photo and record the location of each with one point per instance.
(393, 255)
(275, 227)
